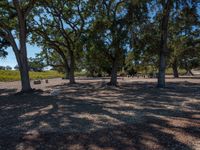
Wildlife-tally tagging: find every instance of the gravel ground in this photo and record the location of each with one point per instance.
(91, 115)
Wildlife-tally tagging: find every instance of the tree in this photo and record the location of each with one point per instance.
(13, 28)
(62, 30)
(36, 64)
(144, 57)
(167, 6)
(3, 45)
(182, 19)
(95, 61)
(16, 67)
(111, 26)
(2, 68)
(190, 55)
(168, 9)
(52, 58)
(8, 68)
(184, 37)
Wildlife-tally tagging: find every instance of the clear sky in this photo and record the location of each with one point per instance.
(10, 59)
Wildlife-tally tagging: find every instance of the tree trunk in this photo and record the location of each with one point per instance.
(163, 45)
(189, 72)
(66, 67)
(175, 69)
(67, 72)
(162, 68)
(71, 76)
(71, 66)
(22, 53)
(113, 80)
(20, 49)
(23, 68)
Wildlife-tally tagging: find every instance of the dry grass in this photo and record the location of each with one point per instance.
(13, 75)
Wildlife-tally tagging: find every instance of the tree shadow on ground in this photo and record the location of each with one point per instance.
(88, 116)
(7, 91)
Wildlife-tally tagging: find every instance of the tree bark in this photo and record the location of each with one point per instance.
(21, 54)
(189, 72)
(66, 66)
(71, 68)
(21, 57)
(23, 68)
(113, 80)
(162, 68)
(67, 71)
(163, 45)
(175, 69)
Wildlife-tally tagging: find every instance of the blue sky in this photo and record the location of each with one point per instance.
(10, 59)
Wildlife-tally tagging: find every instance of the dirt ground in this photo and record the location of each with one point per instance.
(91, 115)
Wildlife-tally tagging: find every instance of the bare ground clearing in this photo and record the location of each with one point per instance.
(90, 115)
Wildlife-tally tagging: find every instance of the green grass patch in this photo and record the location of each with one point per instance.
(169, 71)
(13, 75)
(80, 74)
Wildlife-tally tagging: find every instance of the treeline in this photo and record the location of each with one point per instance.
(103, 36)
(5, 68)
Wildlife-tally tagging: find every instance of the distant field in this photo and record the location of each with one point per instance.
(13, 75)
(169, 71)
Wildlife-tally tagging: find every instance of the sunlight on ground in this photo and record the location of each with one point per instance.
(152, 117)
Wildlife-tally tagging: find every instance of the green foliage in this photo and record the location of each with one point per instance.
(184, 37)
(81, 74)
(36, 64)
(183, 47)
(3, 45)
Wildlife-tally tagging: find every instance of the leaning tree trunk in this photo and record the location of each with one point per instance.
(113, 80)
(175, 69)
(189, 72)
(71, 68)
(22, 54)
(20, 49)
(163, 45)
